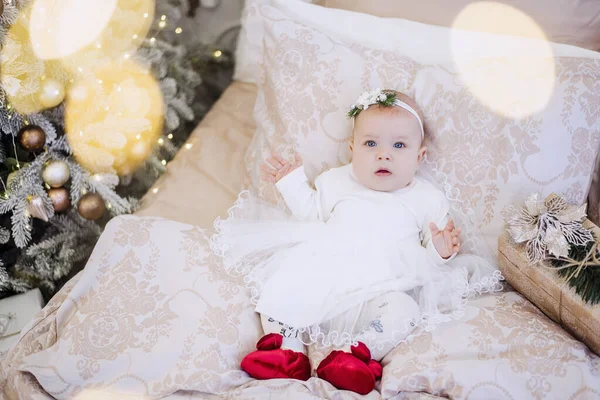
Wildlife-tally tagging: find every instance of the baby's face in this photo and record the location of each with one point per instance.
(386, 149)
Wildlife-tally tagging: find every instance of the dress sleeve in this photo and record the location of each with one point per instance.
(300, 198)
(438, 213)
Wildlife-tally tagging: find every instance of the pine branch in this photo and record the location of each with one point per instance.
(2, 154)
(79, 179)
(20, 224)
(168, 148)
(4, 235)
(28, 182)
(180, 104)
(178, 79)
(13, 285)
(109, 180)
(56, 116)
(10, 121)
(60, 145)
(5, 280)
(168, 87)
(172, 119)
(587, 282)
(188, 75)
(67, 240)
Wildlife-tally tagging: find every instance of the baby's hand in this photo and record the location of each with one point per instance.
(276, 167)
(446, 242)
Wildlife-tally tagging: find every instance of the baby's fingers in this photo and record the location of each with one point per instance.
(282, 172)
(281, 160)
(434, 229)
(274, 162)
(450, 225)
(268, 178)
(456, 246)
(267, 170)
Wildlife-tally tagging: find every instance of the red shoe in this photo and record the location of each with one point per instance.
(354, 371)
(271, 362)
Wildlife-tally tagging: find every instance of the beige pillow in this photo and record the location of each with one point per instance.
(503, 348)
(314, 70)
(563, 21)
(248, 51)
(153, 312)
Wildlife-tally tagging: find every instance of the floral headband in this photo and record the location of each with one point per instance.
(385, 99)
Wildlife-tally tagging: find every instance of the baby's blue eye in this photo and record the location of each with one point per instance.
(399, 145)
(370, 143)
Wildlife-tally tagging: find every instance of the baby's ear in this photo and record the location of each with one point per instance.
(422, 152)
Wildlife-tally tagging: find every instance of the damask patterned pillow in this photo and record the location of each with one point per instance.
(152, 313)
(503, 348)
(539, 132)
(249, 52)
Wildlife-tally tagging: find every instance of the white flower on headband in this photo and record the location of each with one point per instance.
(367, 99)
(386, 99)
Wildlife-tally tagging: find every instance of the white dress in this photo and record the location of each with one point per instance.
(345, 245)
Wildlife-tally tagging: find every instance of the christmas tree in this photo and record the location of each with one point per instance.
(86, 127)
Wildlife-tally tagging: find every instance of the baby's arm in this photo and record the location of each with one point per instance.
(291, 181)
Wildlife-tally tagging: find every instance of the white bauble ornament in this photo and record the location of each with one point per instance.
(56, 173)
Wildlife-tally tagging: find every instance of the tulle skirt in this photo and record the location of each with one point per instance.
(325, 278)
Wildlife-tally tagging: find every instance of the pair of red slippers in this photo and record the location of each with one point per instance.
(354, 371)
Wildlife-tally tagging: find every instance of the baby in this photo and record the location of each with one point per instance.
(365, 261)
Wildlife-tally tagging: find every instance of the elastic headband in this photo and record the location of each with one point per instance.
(385, 99)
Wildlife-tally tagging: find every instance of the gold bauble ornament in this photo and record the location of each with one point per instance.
(114, 118)
(32, 138)
(91, 206)
(36, 209)
(52, 93)
(60, 199)
(56, 173)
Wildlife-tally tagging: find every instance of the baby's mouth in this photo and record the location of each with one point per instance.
(383, 172)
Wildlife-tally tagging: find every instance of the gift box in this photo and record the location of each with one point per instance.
(549, 292)
(15, 313)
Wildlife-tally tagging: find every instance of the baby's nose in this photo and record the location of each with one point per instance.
(384, 157)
